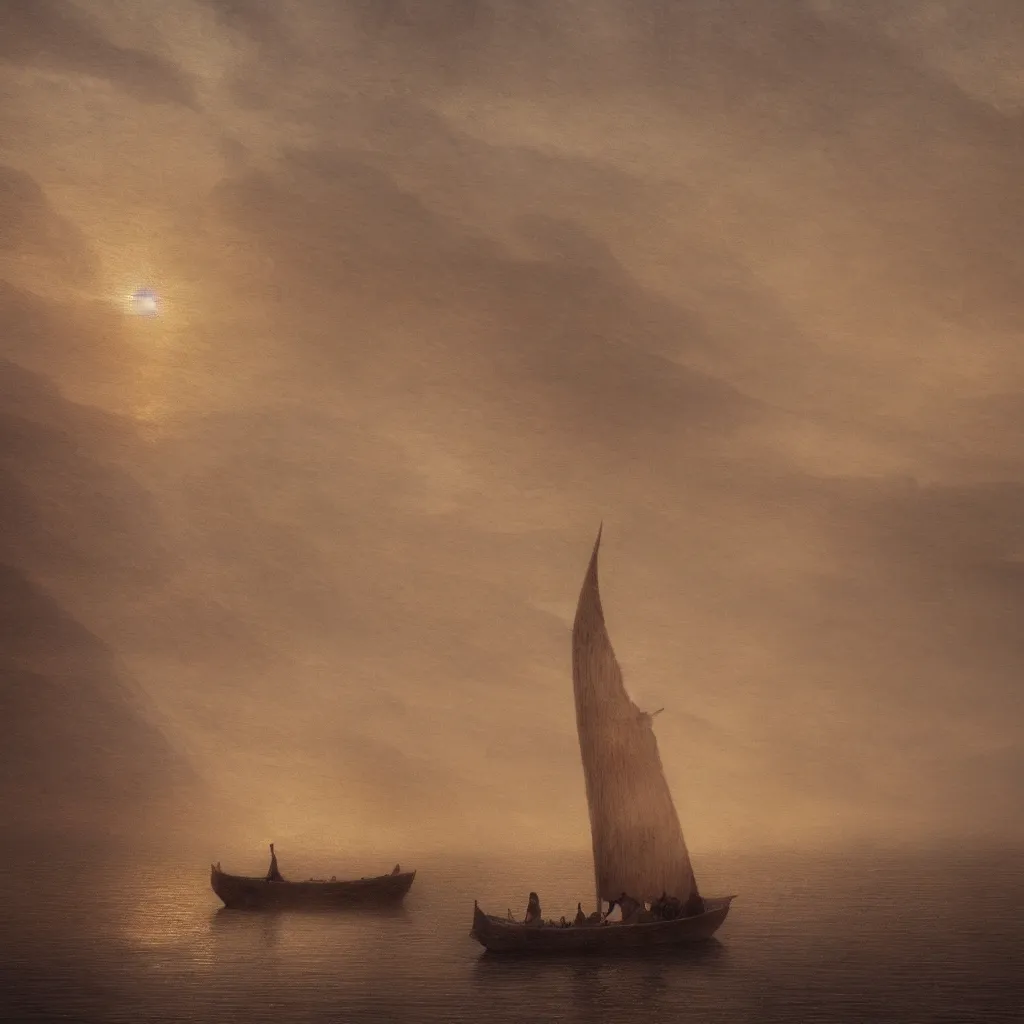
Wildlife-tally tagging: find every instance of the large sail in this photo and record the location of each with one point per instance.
(638, 843)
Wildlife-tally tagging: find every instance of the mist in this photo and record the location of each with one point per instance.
(444, 285)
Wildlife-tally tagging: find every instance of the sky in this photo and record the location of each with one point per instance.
(444, 285)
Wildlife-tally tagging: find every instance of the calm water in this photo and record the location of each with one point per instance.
(879, 937)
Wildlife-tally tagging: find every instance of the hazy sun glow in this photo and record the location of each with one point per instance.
(143, 302)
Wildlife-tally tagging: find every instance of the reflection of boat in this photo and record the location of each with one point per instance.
(239, 892)
(498, 972)
(637, 842)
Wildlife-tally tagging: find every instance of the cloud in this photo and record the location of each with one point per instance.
(34, 231)
(251, 17)
(976, 50)
(571, 334)
(525, 358)
(738, 279)
(54, 34)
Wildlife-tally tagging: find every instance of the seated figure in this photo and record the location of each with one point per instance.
(631, 908)
(533, 909)
(694, 905)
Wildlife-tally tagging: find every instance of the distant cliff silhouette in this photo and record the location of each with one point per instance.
(80, 748)
(77, 748)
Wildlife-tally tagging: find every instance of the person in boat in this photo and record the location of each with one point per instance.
(273, 875)
(580, 917)
(533, 909)
(396, 870)
(630, 908)
(693, 906)
(667, 908)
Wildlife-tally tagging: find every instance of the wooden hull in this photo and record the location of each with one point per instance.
(499, 935)
(239, 892)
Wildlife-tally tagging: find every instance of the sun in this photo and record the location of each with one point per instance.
(143, 302)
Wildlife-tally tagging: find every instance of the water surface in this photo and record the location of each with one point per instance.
(888, 937)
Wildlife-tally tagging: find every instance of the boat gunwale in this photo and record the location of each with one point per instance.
(312, 883)
(242, 892)
(721, 903)
(501, 936)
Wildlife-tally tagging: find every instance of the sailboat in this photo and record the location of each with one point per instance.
(637, 841)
